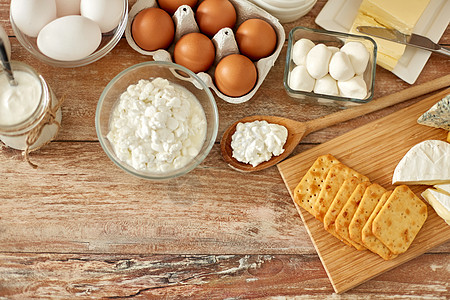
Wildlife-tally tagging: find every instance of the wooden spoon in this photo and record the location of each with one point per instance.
(298, 130)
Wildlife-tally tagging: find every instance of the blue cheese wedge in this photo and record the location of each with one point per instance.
(426, 163)
(438, 115)
(440, 203)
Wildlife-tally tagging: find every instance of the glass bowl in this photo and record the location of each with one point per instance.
(108, 42)
(175, 74)
(336, 39)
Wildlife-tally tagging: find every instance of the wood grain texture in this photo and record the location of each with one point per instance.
(376, 149)
(74, 205)
(79, 227)
(68, 276)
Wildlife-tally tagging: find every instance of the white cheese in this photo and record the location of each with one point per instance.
(256, 142)
(443, 188)
(440, 202)
(157, 126)
(426, 163)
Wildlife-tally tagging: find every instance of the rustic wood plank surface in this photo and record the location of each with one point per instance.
(80, 227)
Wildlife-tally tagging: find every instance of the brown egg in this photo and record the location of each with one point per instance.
(194, 51)
(235, 75)
(213, 15)
(153, 29)
(172, 5)
(256, 39)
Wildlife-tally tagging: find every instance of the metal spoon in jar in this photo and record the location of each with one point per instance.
(298, 130)
(6, 64)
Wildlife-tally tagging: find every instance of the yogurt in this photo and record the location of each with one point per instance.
(17, 103)
(25, 109)
(157, 126)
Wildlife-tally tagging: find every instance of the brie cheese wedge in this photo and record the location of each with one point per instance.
(426, 163)
(443, 188)
(440, 202)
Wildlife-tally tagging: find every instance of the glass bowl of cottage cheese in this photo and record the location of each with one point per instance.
(157, 120)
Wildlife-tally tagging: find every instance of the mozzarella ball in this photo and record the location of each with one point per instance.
(317, 61)
(300, 80)
(326, 85)
(358, 54)
(340, 67)
(333, 49)
(353, 88)
(300, 50)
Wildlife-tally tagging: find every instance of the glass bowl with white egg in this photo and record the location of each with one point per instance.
(157, 120)
(69, 33)
(330, 68)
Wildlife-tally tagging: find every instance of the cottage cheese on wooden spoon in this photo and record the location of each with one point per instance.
(256, 142)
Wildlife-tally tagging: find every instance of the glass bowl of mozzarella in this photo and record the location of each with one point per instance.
(71, 33)
(330, 68)
(157, 120)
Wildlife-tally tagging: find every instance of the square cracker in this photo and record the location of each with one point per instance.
(400, 219)
(309, 187)
(371, 241)
(348, 211)
(334, 180)
(344, 193)
(368, 203)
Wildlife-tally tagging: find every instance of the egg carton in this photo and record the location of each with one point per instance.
(224, 41)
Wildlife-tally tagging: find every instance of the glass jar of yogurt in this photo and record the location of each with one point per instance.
(30, 115)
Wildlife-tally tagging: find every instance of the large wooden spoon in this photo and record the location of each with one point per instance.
(298, 130)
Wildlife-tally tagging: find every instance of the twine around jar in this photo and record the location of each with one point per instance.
(34, 134)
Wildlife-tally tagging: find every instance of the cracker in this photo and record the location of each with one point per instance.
(371, 241)
(309, 187)
(368, 203)
(345, 216)
(334, 180)
(344, 193)
(400, 219)
(333, 232)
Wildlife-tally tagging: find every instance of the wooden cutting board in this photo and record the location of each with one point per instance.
(373, 150)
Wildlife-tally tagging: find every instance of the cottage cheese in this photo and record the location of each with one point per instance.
(256, 142)
(157, 126)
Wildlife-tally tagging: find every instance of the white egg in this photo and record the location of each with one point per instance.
(4, 37)
(31, 16)
(69, 38)
(67, 7)
(106, 13)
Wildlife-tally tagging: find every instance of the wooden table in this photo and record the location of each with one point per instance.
(78, 226)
